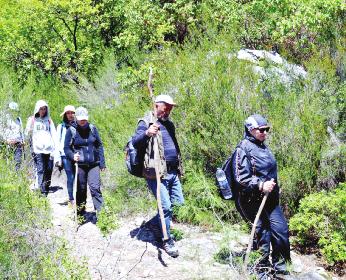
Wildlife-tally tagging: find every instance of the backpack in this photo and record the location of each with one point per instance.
(228, 169)
(134, 158)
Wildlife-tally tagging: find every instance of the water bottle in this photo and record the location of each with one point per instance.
(223, 184)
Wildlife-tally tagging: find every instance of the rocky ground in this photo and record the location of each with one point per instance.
(131, 251)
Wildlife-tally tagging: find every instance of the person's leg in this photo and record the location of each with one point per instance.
(261, 241)
(69, 170)
(175, 190)
(81, 194)
(165, 203)
(94, 182)
(262, 244)
(279, 240)
(18, 152)
(48, 170)
(39, 159)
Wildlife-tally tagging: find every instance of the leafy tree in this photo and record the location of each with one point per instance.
(52, 36)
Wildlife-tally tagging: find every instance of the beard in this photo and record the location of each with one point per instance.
(163, 117)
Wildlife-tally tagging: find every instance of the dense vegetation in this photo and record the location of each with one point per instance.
(28, 250)
(97, 53)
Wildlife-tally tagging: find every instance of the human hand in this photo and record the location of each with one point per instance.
(76, 157)
(11, 142)
(152, 130)
(268, 186)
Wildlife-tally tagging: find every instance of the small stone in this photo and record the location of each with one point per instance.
(297, 265)
(217, 264)
(311, 276)
(321, 271)
(244, 240)
(57, 223)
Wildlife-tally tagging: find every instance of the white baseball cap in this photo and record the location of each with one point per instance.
(82, 114)
(68, 108)
(165, 98)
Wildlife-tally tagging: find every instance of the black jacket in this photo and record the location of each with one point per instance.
(254, 163)
(88, 143)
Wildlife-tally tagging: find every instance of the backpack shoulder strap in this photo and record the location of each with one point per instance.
(61, 129)
(73, 131)
(146, 119)
(92, 129)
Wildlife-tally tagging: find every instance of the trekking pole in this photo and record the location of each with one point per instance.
(74, 196)
(157, 163)
(248, 250)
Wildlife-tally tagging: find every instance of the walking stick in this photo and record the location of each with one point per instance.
(157, 163)
(74, 196)
(248, 250)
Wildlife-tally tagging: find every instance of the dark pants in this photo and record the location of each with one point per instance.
(44, 167)
(271, 229)
(88, 175)
(69, 170)
(18, 153)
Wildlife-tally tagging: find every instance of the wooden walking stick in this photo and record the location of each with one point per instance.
(74, 196)
(259, 212)
(157, 163)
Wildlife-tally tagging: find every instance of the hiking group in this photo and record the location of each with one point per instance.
(154, 154)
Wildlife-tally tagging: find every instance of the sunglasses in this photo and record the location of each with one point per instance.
(264, 129)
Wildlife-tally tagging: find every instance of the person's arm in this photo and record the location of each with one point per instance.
(243, 173)
(29, 127)
(68, 150)
(141, 137)
(56, 153)
(100, 149)
(58, 133)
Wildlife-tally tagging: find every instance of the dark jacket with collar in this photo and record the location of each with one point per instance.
(253, 163)
(171, 150)
(87, 142)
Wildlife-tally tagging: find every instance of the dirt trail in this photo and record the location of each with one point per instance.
(131, 252)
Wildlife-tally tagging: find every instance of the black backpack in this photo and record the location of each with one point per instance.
(134, 158)
(228, 169)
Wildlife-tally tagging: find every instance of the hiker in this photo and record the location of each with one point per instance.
(42, 135)
(255, 173)
(65, 163)
(170, 163)
(11, 133)
(84, 146)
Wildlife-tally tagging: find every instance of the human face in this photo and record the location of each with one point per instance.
(163, 110)
(42, 111)
(260, 133)
(82, 122)
(69, 116)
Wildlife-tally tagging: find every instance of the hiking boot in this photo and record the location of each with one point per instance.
(171, 250)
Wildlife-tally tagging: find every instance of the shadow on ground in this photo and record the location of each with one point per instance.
(53, 189)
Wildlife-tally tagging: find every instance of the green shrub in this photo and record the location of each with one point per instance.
(28, 247)
(321, 221)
